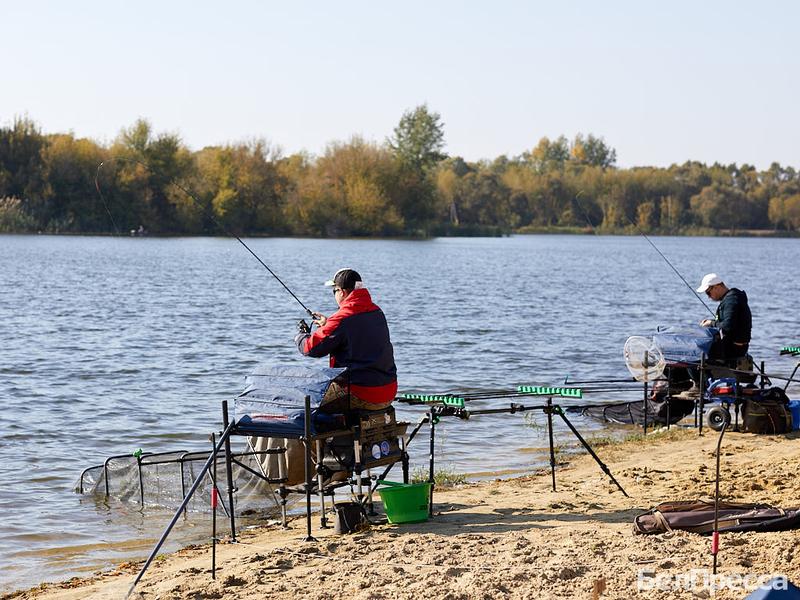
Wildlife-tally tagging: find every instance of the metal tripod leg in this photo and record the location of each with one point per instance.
(308, 475)
(432, 419)
(549, 412)
(602, 465)
(229, 471)
(320, 487)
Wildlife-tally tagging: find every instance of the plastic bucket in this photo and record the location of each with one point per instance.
(405, 502)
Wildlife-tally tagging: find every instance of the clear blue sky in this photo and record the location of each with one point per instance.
(662, 82)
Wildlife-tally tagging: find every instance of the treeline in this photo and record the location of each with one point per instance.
(405, 186)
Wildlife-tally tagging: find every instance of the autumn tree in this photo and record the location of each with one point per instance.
(792, 212)
(592, 151)
(548, 155)
(148, 165)
(352, 189)
(721, 207)
(71, 202)
(244, 185)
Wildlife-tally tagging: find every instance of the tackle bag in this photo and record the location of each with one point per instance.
(767, 413)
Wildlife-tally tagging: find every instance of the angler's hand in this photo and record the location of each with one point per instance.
(302, 327)
(706, 323)
(319, 319)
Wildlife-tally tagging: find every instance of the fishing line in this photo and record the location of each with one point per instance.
(103, 198)
(208, 213)
(661, 254)
(585, 214)
(649, 241)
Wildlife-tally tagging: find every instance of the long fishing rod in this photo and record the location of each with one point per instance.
(649, 241)
(210, 215)
(661, 254)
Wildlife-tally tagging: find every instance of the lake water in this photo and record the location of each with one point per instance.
(112, 344)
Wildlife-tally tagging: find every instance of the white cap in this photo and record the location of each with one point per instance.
(708, 281)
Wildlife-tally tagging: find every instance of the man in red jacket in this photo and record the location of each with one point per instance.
(357, 337)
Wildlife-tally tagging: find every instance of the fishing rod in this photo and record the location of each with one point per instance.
(649, 241)
(585, 381)
(208, 213)
(661, 254)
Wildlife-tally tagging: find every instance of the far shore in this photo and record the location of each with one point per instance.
(514, 539)
(740, 233)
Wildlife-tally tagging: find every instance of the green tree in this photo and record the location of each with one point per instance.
(21, 174)
(483, 200)
(418, 140)
(148, 167)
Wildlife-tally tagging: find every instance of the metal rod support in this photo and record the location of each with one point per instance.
(225, 435)
(229, 472)
(308, 474)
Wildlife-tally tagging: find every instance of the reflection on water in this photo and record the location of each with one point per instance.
(108, 345)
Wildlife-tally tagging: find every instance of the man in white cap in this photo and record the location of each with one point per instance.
(734, 320)
(357, 337)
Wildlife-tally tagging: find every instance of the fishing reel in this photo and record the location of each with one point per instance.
(450, 411)
(303, 327)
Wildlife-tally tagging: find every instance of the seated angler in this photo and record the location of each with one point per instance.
(357, 337)
(733, 319)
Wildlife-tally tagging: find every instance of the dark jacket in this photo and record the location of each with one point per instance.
(735, 322)
(357, 337)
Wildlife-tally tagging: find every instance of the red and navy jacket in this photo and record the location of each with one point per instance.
(357, 337)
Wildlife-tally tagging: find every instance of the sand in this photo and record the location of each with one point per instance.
(508, 539)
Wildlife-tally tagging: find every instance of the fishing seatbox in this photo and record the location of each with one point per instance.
(767, 413)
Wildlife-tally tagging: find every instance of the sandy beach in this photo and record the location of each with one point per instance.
(507, 539)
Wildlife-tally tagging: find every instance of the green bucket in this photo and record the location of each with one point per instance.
(405, 502)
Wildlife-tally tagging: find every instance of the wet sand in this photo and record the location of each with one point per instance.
(507, 539)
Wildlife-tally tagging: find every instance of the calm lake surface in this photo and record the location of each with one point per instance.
(112, 344)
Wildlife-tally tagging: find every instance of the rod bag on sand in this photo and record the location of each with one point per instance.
(697, 516)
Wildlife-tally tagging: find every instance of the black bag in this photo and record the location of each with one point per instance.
(350, 517)
(775, 394)
(768, 413)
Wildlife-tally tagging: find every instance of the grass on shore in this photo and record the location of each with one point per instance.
(638, 437)
(442, 478)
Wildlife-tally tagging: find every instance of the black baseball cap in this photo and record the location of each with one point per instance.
(347, 279)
